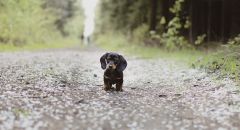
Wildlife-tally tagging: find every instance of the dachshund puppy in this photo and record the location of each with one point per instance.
(114, 64)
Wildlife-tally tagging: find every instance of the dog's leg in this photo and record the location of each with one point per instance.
(119, 86)
(107, 85)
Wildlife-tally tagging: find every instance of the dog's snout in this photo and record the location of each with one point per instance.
(111, 65)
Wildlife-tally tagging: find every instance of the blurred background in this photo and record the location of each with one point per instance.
(169, 24)
(143, 27)
(39, 23)
(172, 24)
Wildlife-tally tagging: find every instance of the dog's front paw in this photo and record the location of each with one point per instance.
(119, 90)
(106, 88)
(119, 87)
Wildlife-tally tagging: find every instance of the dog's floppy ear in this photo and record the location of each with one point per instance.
(103, 61)
(123, 63)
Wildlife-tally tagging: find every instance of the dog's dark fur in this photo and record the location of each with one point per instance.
(114, 65)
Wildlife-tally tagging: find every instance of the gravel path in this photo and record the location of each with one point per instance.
(62, 90)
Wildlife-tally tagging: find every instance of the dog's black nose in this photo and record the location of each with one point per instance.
(110, 66)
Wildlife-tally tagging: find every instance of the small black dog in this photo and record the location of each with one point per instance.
(114, 65)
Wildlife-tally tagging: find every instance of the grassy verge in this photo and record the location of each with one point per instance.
(118, 42)
(61, 43)
(225, 62)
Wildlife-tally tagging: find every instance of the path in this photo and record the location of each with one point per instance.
(61, 90)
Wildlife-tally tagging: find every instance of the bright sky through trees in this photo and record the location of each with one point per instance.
(89, 12)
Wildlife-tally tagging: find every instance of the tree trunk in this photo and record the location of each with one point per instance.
(191, 21)
(209, 21)
(153, 19)
(222, 20)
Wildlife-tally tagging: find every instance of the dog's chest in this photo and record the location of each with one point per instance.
(112, 75)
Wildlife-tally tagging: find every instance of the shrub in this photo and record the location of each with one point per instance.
(139, 34)
(226, 61)
(171, 39)
(235, 40)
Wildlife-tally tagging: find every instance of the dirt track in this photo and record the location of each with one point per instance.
(63, 90)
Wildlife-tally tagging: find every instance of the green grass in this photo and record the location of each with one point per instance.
(62, 43)
(227, 62)
(118, 42)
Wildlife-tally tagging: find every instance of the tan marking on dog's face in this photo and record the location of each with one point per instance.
(113, 66)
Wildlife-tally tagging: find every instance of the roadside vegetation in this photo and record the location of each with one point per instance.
(225, 61)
